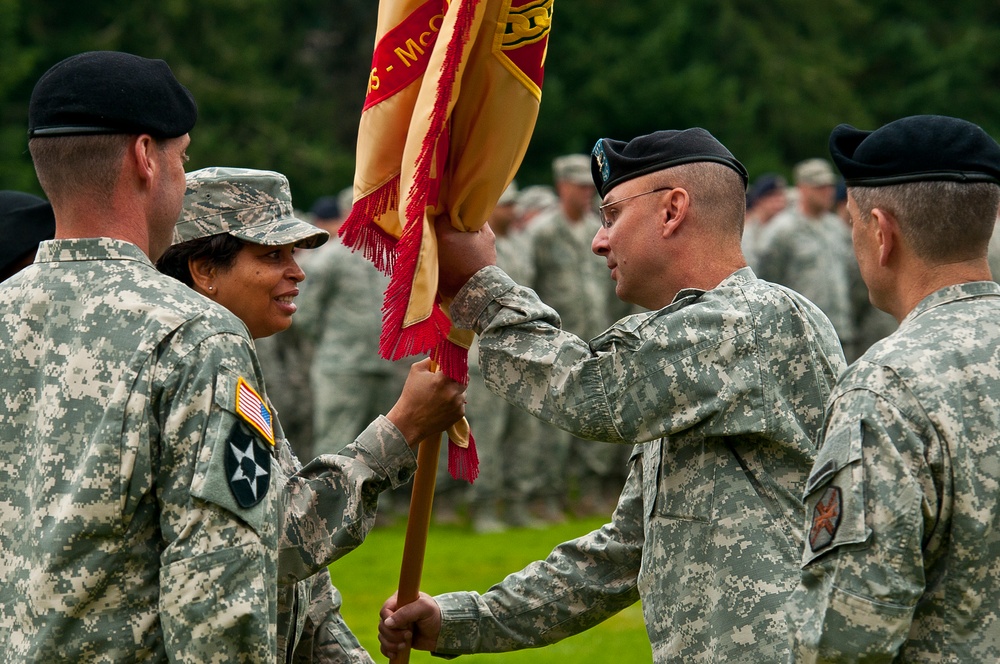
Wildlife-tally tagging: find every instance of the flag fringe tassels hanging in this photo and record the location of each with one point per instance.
(399, 258)
(361, 233)
(431, 334)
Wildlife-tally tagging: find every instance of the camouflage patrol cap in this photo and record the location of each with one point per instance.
(252, 205)
(574, 168)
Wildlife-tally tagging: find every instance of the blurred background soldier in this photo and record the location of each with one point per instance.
(572, 281)
(511, 457)
(340, 313)
(807, 248)
(766, 197)
(532, 201)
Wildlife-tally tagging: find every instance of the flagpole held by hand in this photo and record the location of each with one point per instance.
(418, 525)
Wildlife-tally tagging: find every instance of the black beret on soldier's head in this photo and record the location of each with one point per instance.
(613, 162)
(108, 92)
(913, 149)
(25, 220)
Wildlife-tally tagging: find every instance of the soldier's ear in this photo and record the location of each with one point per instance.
(887, 234)
(203, 274)
(676, 204)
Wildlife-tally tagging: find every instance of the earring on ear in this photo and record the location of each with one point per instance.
(211, 288)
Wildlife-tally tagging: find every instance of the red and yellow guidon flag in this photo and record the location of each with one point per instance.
(453, 96)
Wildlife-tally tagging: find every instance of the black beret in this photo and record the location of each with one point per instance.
(107, 92)
(764, 185)
(25, 220)
(613, 162)
(325, 207)
(913, 149)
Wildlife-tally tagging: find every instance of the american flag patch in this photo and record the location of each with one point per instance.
(251, 408)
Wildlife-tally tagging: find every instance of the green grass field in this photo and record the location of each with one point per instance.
(458, 559)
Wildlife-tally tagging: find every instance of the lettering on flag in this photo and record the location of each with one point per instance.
(251, 408)
(401, 56)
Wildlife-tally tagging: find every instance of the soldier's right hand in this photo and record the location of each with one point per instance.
(429, 404)
(461, 254)
(415, 625)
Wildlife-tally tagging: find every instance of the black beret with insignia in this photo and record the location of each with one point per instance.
(108, 92)
(25, 220)
(613, 162)
(913, 149)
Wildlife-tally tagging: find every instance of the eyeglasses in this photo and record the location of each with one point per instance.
(610, 216)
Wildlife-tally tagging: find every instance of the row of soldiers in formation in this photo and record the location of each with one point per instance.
(779, 504)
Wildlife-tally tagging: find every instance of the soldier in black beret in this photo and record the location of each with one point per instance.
(94, 116)
(25, 220)
(900, 558)
(718, 390)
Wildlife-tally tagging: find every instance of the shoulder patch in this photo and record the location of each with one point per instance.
(825, 519)
(248, 467)
(253, 410)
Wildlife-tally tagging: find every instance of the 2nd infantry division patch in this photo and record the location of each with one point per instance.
(825, 519)
(248, 467)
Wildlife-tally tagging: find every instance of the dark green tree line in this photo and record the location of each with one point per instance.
(280, 84)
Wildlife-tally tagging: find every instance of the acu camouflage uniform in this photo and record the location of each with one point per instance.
(902, 561)
(724, 391)
(124, 536)
(310, 625)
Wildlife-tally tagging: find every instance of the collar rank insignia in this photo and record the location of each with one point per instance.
(248, 467)
(252, 409)
(825, 519)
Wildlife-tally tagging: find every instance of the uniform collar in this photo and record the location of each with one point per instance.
(89, 249)
(742, 276)
(954, 293)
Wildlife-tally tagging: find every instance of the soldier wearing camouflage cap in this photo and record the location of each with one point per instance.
(901, 555)
(719, 388)
(235, 244)
(141, 517)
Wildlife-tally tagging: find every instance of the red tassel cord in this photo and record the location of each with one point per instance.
(360, 232)
(463, 462)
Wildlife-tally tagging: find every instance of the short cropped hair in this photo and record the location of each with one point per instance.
(713, 187)
(70, 166)
(219, 250)
(941, 221)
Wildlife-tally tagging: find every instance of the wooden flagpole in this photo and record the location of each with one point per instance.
(417, 525)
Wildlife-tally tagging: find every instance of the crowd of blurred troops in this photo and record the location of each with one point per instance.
(333, 381)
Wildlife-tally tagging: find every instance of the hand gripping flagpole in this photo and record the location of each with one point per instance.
(417, 526)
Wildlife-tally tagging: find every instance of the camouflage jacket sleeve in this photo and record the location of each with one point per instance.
(326, 637)
(648, 376)
(330, 504)
(871, 504)
(214, 598)
(582, 583)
